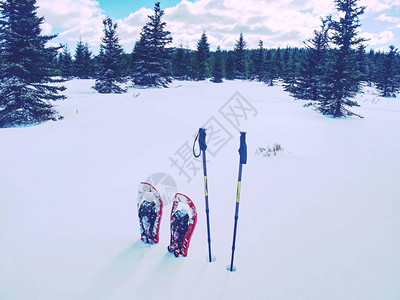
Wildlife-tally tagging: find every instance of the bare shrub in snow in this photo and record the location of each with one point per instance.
(270, 150)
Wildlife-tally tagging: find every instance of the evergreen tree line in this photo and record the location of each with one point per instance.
(186, 64)
(330, 70)
(296, 67)
(265, 65)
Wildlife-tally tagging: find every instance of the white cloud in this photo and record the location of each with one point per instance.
(73, 18)
(376, 39)
(278, 23)
(129, 28)
(386, 18)
(390, 19)
(376, 6)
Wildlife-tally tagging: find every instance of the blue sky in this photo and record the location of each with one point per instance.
(277, 23)
(118, 8)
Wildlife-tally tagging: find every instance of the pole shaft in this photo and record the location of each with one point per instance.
(207, 206)
(236, 214)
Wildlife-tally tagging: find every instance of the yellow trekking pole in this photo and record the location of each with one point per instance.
(203, 146)
(243, 160)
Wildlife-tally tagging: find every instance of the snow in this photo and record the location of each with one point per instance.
(321, 220)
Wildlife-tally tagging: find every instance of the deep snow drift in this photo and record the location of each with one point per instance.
(321, 220)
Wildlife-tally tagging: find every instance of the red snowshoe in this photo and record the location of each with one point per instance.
(150, 209)
(183, 222)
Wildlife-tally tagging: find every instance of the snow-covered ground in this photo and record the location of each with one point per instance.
(321, 220)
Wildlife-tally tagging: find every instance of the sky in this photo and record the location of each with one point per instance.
(280, 23)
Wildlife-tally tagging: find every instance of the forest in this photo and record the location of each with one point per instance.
(330, 70)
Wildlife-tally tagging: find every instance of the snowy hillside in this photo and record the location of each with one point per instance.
(321, 220)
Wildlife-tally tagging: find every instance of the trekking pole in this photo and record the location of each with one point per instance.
(203, 146)
(243, 160)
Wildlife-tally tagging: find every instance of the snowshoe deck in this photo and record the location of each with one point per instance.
(183, 222)
(150, 209)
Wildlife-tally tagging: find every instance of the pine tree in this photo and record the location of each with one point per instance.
(89, 61)
(310, 84)
(252, 65)
(181, 63)
(260, 68)
(271, 73)
(203, 56)
(54, 70)
(388, 77)
(287, 62)
(65, 63)
(153, 65)
(126, 65)
(361, 63)
(193, 65)
(278, 61)
(134, 62)
(344, 82)
(240, 58)
(230, 66)
(291, 68)
(26, 66)
(109, 67)
(79, 70)
(217, 68)
(371, 67)
(82, 61)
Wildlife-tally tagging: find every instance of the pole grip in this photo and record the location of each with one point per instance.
(202, 139)
(243, 148)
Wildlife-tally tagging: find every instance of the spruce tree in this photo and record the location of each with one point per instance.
(291, 68)
(193, 65)
(287, 62)
(388, 77)
(82, 61)
(259, 64)
(230, 66)
(371, 67)
(153, 65)
(109, 68)
(65, 63)
(361, 63)
(240, 58)
(89, 61)
(26, 66)
(134, 61)
(278, 62)
(78, 60)
(217, 67)
(271, 73)
(310, 84)
(181, 63)
(203, 56)
(344, 82)
(252, 67)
